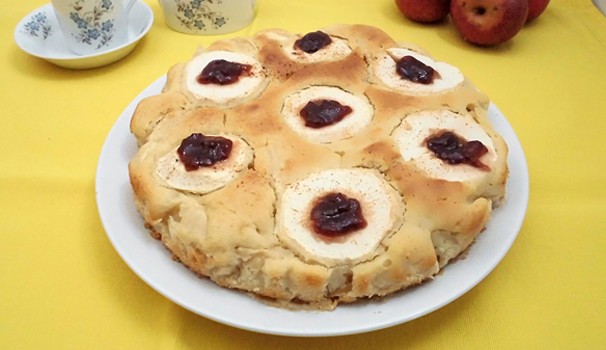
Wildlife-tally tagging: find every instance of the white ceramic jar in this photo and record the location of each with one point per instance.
(208, 17)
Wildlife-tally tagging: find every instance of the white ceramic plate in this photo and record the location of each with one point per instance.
(152, 262)
(39, 35)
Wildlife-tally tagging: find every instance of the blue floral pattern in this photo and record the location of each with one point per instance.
(194, 13)
(107, 26)
(38, 26)
(93, 30)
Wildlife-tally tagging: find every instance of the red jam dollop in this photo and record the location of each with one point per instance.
(198, 151)
(320, 113)
(336, 215)
(455, 150)
(412, 69)
(314, 41)
(222, 72)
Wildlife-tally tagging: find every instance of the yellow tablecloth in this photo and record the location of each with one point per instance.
(63, 286)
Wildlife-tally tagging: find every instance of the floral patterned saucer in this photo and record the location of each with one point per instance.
(39, 35)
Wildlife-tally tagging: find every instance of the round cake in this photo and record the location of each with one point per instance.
(316, 169)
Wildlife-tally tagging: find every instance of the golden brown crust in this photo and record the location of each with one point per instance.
(230, 234)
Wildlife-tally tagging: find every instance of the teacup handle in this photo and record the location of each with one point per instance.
(129, 5)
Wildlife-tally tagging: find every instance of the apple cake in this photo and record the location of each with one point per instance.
(316, 169)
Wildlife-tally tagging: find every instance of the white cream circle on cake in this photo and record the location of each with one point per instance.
(206, 179)
(336, 50)
(381, 208)
(360, 116)
(449, 76)
(249, 86)
(416, 128)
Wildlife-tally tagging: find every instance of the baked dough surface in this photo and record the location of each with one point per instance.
(241, 228)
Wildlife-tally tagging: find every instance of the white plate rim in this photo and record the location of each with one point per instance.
(115, 204)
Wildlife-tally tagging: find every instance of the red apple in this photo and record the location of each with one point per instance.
(424, 10)
(489, 22)
(535, 8)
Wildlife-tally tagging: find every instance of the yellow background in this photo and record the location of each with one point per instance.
(63, 286)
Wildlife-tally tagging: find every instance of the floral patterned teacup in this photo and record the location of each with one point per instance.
(93, 26)
(208, 17)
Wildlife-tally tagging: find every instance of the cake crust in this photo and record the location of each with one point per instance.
(232, 233)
